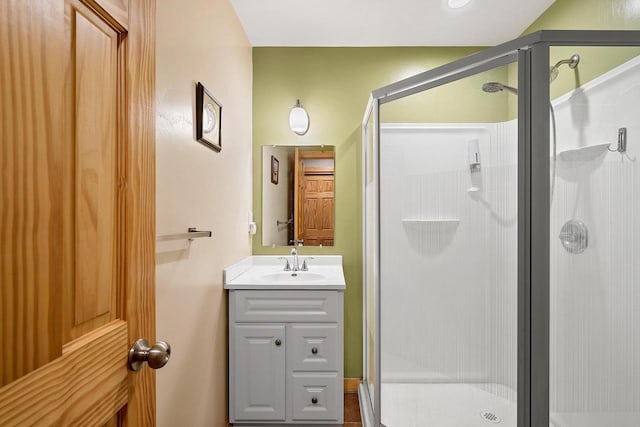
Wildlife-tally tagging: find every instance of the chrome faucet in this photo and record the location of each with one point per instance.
(295, 266)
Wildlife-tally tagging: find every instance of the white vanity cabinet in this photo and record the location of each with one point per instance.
(285, 357)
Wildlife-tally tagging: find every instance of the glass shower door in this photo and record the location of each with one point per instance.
(504, 240)
(448, 215)
(370, 278)
(595, 239)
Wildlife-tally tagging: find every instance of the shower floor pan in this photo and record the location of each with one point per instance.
(467, 405)
(444, 405)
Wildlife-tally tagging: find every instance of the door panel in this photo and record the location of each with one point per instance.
(318, 208)
(74, 389)
(77, 156)
(30, 225)
(94, 138)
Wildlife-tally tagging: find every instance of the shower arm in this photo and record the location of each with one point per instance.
(572, 62)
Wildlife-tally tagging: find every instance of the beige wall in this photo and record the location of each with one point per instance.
(199, 40)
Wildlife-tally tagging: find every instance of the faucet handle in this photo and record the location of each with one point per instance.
(304, 264)
(287, 266)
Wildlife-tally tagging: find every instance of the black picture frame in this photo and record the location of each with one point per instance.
(208, 132)
(275, 170)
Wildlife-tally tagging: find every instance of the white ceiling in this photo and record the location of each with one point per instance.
(385, 22)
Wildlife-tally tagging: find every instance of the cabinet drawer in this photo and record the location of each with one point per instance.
(284, 306)
(315, 396)
(313, 347)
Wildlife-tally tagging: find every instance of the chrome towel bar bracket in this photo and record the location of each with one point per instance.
(191, 234)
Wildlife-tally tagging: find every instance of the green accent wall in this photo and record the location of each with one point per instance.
(334, 84)
(589, 15)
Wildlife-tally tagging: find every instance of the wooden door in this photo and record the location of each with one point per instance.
(258, 375)
(78, 209)
(315, 213)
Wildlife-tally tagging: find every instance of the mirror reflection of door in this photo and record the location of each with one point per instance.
(298, 200)
(314, 201)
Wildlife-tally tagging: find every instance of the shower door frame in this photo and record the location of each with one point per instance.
(531, 53)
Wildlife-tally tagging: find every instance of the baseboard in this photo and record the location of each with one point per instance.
(351, 385)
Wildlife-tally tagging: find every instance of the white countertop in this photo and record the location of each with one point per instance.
(267, 272)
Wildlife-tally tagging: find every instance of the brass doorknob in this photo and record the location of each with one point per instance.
(156, 356)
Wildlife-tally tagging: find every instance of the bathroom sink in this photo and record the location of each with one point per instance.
(292, 277)
(267, 272)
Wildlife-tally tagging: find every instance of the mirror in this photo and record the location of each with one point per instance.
(298, 195)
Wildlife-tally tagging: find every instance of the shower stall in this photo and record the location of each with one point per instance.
(501, 238)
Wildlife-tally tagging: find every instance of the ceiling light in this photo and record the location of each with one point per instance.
(457, 4)
(299, 119)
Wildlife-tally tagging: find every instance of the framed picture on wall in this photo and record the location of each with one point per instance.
(275, 169)
(208, 119)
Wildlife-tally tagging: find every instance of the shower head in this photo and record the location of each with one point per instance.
(572, 62)
(493, 87)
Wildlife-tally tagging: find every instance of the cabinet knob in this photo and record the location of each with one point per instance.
(314, 350)
(278, 342)
(314, 400)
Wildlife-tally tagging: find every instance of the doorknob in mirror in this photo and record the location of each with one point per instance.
(156, 356)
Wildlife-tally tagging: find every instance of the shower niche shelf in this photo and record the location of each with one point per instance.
(576, 164)
(583, 154)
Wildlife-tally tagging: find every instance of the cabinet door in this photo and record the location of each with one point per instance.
(258, 372)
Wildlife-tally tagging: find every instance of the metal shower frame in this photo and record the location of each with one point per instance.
(531, 53)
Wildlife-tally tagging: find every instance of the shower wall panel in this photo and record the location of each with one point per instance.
(448, 256)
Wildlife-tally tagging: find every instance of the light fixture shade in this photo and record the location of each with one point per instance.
(298, 119)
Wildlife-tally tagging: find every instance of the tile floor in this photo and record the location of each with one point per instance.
(351, 410)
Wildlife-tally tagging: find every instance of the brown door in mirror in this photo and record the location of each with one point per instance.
(315, 201)
(78, 210)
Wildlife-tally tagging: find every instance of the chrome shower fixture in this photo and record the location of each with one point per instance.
(493, 87)
(572, 62)
(574, 236)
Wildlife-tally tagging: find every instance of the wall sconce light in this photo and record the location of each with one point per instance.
(299, 119)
